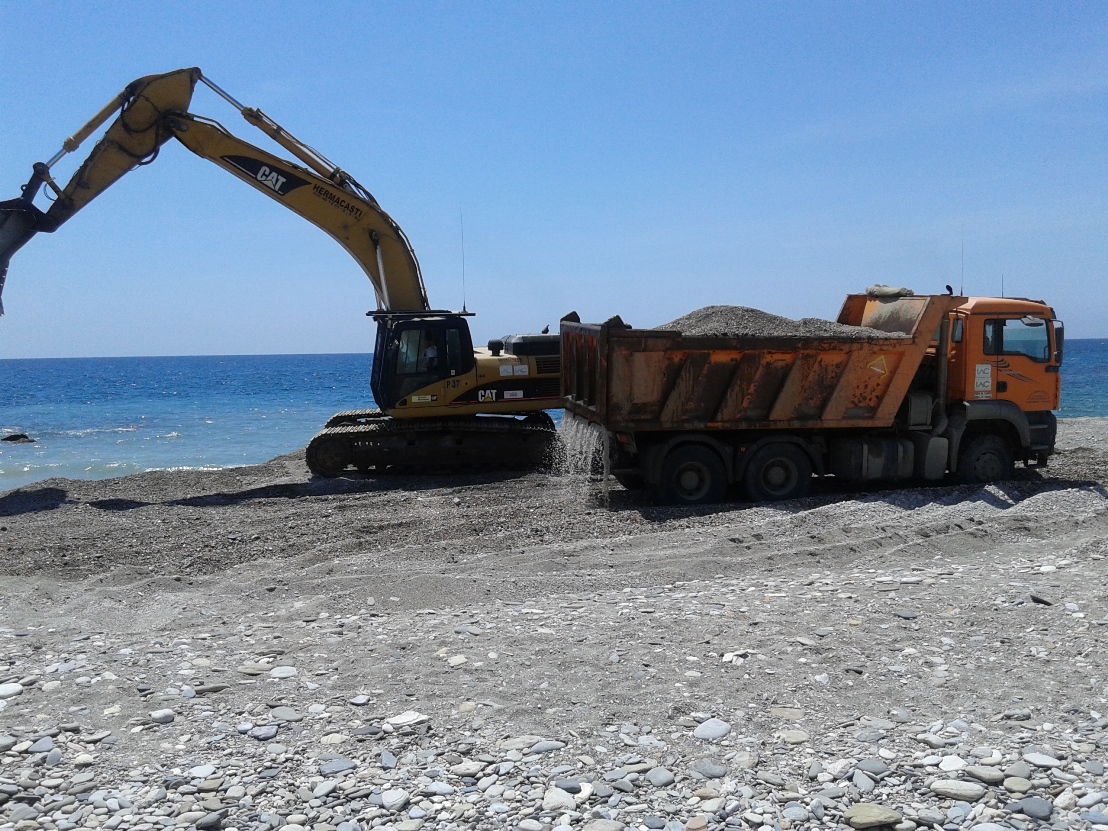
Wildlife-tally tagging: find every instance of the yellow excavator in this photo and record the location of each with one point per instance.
(443, 404)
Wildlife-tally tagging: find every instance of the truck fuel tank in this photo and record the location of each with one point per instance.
(861, 460)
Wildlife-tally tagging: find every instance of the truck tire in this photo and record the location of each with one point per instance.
(692, 474)
(985, 459)
(777, 471)
(630, 481)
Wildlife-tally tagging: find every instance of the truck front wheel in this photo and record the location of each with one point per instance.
(692, 474)
(778, 471)
(985, 459)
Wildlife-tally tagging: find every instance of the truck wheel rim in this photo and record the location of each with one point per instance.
(692, 480)
(779, 477)
(989, 467)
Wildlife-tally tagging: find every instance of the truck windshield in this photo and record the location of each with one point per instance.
(1012, 336)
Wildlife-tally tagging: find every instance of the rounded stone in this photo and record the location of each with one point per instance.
(710, 768)
(546, 746)
(285, 713)
(958, 789)
(793, 736)
(163, 716)
(869, 815)
(10, 690)
(1017, 784)
(555, 799)
(988, 775)
(394, 800)
(712, 729)
(659, 777)
(1036, 807)
(283, 672)
(1041, 760)
(333, 766)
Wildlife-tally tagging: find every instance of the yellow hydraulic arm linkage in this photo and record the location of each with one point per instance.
(153, 110)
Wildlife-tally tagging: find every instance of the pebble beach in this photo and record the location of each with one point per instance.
(253, 649)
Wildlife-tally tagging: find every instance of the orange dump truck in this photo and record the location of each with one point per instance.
(955, 385)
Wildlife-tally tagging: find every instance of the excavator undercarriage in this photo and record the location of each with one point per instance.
(369, 440)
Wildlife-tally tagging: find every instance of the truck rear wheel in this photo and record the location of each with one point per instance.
(778, 471)
(692, 474)
(985, 459)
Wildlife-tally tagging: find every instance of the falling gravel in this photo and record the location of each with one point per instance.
(743, 321)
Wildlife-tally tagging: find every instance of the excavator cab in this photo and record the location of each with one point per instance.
(415, 350)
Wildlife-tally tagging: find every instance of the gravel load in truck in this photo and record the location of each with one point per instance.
(743, 321)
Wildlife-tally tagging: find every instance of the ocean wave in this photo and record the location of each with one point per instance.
(187, 468)
(91, 431)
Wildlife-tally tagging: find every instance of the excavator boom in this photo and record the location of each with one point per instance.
(154, 109)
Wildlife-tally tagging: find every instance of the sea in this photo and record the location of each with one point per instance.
(94, 418)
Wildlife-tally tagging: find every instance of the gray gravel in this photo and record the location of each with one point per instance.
(250, 649)
(742, 321)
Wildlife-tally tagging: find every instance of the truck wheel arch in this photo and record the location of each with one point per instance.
(1000, 418)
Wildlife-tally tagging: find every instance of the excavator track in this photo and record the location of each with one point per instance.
(354, 417)
(371, 441)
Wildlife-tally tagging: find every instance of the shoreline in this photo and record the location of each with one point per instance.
(1070, 429)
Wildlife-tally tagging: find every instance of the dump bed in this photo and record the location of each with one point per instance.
(632, 380)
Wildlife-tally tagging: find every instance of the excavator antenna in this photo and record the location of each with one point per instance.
(461, 222)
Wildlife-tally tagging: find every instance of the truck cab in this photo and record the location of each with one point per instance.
(1006, 349)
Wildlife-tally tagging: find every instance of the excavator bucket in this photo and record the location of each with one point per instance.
(19, 221)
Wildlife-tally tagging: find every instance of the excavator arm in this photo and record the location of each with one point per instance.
(153, 110)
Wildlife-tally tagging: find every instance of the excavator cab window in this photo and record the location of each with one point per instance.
(420, 353)
(417, 353)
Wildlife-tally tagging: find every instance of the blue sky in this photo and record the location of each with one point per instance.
(642, 159)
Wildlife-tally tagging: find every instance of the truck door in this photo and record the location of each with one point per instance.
(956, 359)
(1023, 369)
